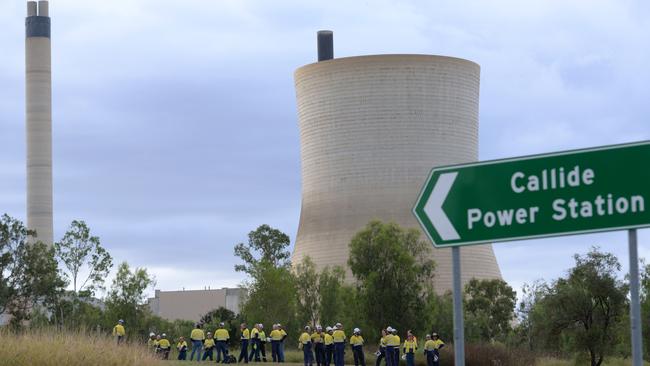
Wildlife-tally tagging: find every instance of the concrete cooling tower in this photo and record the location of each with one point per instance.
(38, 95)
(371, 129)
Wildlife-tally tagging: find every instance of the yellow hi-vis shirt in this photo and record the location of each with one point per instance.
(276, 335)
(118, 330)
(221, 334)
(317, 337)
(356, 340)
(255, 333)
(329, 339)
(339, 336)
(382, 341)
(431, 345)
(197, 334)
(262, 336)
(305, 338)
(392, 340)
(410, 346)
(180, 345)
(284, 334)
(245, 334)
(209, 343)
(164, 344)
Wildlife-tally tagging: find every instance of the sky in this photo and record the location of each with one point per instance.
(175, 125)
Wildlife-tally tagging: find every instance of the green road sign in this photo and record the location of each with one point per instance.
(580, 191)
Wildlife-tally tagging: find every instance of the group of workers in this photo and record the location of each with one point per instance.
(330, 344)
(326, 344)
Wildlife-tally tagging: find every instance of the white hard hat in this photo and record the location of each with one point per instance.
(328, 329)
(163, 335)
(152, 334)
(339, 325)
(389, 329)
(306, 327)
(120, 321)
(357, 330)
(319, 327)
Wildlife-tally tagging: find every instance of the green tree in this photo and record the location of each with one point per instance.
(588, 306)
(271, 291)
(645, 306)
(394, 274)
(80, 251)
(307, 292)
(440, 315)
(126, 298)
(330, 288)
(271, 297)
(266, 247)
(490, 307)
(29, 276)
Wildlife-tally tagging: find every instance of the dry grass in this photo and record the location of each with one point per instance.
(51, 348)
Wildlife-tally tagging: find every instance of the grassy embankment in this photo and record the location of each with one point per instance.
(50, 348)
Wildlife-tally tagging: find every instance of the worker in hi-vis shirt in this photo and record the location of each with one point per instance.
(304, 343)
(284, 338)
(208, 347)
(245, 336)
(329, 345)
(255, 344)
(276, 338)
(339, 345)
(432, 348)
(410, 347)
(222, 336)
(181, 346)
(263, 341)
(319, 348)
(119, 332)
(196, 338)
(396, 341)
(356, 342)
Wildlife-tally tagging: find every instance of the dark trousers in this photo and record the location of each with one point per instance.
(222, 349)
(255, 350)
(243, 354)
(319, 350)
(329, 352)
(339, 353)
(433, 358)
(275, 351)
(382, 355)
(396, 356)
(390, 356)
(164, 353)
(410, 359)
(208, 353)
(182, 355)
(307, 355)
(359, 357)
(263, 350)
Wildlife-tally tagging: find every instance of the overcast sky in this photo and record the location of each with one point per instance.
(175, 125)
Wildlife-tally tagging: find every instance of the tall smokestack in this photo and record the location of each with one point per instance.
(38, 88)
(325, 45)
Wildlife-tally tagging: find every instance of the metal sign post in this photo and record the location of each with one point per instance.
(459, 324)
(635, 304)
(572, 192)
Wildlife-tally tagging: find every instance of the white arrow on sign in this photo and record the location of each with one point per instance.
(433, 207)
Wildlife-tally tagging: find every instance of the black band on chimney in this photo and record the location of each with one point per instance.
(37, 26)
(325, 45)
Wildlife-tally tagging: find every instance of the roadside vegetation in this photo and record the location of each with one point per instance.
(51, 294)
